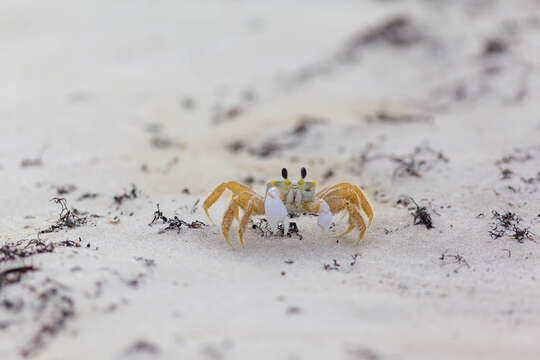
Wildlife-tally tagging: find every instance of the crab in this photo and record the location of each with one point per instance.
(292, 196)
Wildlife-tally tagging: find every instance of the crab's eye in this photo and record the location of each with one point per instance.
(303, 172)
(284, 173)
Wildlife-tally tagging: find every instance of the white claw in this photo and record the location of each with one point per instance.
(275, 210)
(325, 217)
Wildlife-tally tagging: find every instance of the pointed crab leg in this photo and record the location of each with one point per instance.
(254, 207)
(233, 186)
(356, 216)
(228, 218)
(351, 198)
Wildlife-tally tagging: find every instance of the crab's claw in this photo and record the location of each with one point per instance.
(275, 210)
(325, 217)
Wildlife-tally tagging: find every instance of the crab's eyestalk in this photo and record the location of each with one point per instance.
(284, 173)
(303, 172)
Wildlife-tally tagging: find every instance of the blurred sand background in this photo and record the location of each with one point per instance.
(178, 96)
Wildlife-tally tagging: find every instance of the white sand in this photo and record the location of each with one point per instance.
(87, 86)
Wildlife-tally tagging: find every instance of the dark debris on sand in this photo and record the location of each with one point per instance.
(509, 224)
(132, 194)
(420, 214)
(264, 229)
(422, 159)
(173, 223)
(27, 248)
(67, 218)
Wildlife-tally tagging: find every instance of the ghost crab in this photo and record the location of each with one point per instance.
(292, 195)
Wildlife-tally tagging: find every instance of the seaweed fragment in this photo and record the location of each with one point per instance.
(87, 195)
(398, 31)
(34, 162)
(264, 229)
(142, 346)
(508, 223)
(57, 308)
(174, 223)
(288, 139)
(66, 219)
(422, 159)
(420, 214)
(456, 258)
(132, 194)
(386, 117)
(14, 275)
(334, 266)
(494, 46)
(65, 189)
(222, 115)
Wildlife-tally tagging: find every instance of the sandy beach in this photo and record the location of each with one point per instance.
(112, 108)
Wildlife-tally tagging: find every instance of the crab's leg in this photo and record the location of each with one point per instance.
(233, 186)
(255, 207)
(348, 192)
(357, 217)
(337, 205)
(275, 210)
(349, 229)
(364, 203)
(228, 218)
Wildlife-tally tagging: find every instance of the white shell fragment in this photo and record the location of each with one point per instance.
(275, 210)
(325, 217)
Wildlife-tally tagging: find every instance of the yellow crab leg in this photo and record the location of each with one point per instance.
(349, 229)
(364, 203)
(356, 216)
(255, 207)
(228, 218)
(233, 186)
(348, 192)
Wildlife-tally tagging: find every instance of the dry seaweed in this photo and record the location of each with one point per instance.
(508, 223)
(31, 162)
(222, 114)
(236, 146)
(366, 156)
(457, 259)
(13, 251)
(495, 46)
(26, 248)
(57, 308)
(386, 117)
(132, 194)
(398, 31)
(336, 266)
(66, 219)
(517, 155)
(174, 223)
(65, 189)
(422, 159)
(288, 139)
(147, 262)
(142, 346)
(87, 195)
(164, 142)
(420, 214)
(14, 275)
(263, 228)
